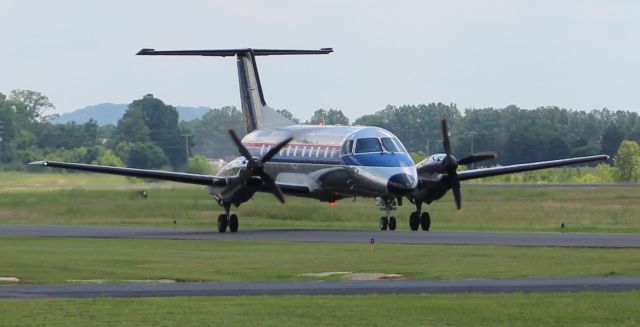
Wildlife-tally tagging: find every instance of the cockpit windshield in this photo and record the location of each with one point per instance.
(392, 144)
(370, 144)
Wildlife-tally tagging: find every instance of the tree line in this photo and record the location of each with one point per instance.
(150, 135)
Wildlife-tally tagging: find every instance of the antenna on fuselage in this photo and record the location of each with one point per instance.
(255, 111)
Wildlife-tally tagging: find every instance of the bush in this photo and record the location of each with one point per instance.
(199, 165)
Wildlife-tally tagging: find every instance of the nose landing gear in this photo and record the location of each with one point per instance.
(225, 220)
(387, 221)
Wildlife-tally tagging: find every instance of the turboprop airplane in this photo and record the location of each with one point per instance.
(327, 163)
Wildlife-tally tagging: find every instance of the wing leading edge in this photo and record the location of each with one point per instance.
(207, 180)
(494, 171)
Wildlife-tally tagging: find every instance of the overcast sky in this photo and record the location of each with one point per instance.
(575, 54)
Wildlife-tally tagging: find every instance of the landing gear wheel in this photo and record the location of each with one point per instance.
(392, 223)
(384, 222)
(222, 223)
(414, 221)
(425, 221)
(233, 223)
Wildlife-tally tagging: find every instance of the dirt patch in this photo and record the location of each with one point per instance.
(87, 281)
(151, 281)
(10, 279)
(373, 276)
(325, 274)
(355, 276)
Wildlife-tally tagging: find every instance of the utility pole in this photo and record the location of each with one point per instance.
(472, 134)
(186, 144)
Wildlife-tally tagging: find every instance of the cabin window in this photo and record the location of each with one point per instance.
(370, 144)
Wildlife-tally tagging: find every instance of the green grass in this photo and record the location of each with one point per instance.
(25, 180)
(57, 260)
(485, 208)
(563, 309)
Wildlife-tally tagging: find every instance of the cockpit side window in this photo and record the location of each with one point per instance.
(370, 144)
(347, 147)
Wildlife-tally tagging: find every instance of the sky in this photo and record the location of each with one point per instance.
(575, 54)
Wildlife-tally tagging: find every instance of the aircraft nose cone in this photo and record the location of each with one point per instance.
(400, 184)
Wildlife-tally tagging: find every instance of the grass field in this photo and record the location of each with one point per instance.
(58, 260)
(497, 209)
(564, 309)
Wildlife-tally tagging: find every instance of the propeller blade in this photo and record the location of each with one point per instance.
(457, 197)
(445, 136)
(236, 140)
(272, 186)
(275, 150)
(477, 157)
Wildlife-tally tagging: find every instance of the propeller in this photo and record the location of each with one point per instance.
(255, 166)
(451, 164)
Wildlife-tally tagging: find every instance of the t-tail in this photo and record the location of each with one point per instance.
(255, 111)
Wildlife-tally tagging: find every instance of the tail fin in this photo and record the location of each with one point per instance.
(255, 111)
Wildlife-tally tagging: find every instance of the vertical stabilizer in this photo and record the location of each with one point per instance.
(255, 111)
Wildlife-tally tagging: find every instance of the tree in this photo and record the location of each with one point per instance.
(141, 155)
(288, 115)
(210, 132)
(627, 160)
(611, 139)
(30, 104)
(330, 117)
(163, 123)
(132, 128)
(151, 120)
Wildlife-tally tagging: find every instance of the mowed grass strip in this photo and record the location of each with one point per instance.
(535, 309)
(495, 209)
(58, 260)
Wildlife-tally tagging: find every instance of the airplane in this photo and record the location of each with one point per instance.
(326, 163)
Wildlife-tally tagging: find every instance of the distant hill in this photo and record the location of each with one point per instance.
(110, 113)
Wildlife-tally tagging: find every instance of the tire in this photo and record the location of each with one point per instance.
(414, 221)
(233, 223)
(222, 223)
(425, 221)
(392, 223)
(384, 222)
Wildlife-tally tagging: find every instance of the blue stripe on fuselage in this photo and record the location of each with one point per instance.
(379, 159)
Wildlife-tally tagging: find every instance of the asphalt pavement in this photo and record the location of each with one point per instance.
(600, 240)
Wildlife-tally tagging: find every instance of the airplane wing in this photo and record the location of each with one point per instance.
(494, 171)
(207, 180)
(292, 189)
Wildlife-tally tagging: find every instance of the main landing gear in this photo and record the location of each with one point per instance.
(226, 220)
(418, 219)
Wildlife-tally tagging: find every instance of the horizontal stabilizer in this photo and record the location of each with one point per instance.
(231, 52)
